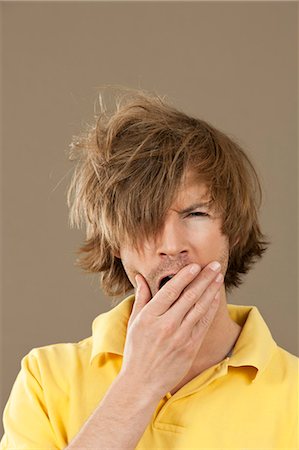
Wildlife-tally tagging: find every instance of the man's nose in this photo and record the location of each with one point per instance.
(172, 240)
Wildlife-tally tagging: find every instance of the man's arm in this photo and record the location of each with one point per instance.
(120, 419)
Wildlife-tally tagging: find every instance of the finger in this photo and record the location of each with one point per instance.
(201, 328)
(193, 293)
(198, 313)
(142, 296)
(169, 293)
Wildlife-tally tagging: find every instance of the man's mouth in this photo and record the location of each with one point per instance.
(164, 280)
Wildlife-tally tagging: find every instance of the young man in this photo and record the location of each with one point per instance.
(170, 206)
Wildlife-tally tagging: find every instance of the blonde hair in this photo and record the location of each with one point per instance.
(130, 163)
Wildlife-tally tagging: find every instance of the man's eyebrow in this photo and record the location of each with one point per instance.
(195, 206)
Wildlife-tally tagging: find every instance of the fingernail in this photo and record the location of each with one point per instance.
(195, 268)
(219, 277)
(215, 266)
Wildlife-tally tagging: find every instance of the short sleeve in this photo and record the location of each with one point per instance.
(25, 418)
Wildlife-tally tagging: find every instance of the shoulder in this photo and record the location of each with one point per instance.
(284, 368)
(287, 360)
(58, 361)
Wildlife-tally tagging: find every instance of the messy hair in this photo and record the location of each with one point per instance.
(130, 164)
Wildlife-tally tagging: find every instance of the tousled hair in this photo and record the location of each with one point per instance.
(130, 164)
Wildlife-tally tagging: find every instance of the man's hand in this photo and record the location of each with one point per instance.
(165, 332)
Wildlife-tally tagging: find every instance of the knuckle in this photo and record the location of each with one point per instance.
(171, 292)
(189, 347)
(189, 295)
(142, 320)
(176, 342)
(198, 308)
(205, 321)
(141, 323)
(168, 328)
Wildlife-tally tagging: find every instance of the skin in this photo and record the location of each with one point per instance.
(193, 237)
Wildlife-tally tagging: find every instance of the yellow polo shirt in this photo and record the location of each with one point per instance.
(247, 401)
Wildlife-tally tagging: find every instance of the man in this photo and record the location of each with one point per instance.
(170, 206)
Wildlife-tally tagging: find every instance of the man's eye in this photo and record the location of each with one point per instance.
(198, 214)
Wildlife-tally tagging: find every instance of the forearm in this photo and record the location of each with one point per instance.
(120, 419)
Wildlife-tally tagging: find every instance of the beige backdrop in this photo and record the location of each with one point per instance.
(233, 64)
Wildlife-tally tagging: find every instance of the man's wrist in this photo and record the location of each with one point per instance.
(145, 394)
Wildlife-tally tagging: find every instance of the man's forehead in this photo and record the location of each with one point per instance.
(192, 176)
(192, 189)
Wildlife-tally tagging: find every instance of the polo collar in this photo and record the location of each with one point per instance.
(109, 329)
(254, 347)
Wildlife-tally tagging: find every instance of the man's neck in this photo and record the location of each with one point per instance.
(220, 338)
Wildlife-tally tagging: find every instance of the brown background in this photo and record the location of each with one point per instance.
(233, 64)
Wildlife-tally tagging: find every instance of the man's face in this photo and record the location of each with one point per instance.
(193, 236)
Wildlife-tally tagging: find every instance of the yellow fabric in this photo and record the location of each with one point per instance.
(247, 401)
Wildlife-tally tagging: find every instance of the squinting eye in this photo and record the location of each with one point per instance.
(198, 214)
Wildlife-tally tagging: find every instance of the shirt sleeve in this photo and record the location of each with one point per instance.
(25, 418)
